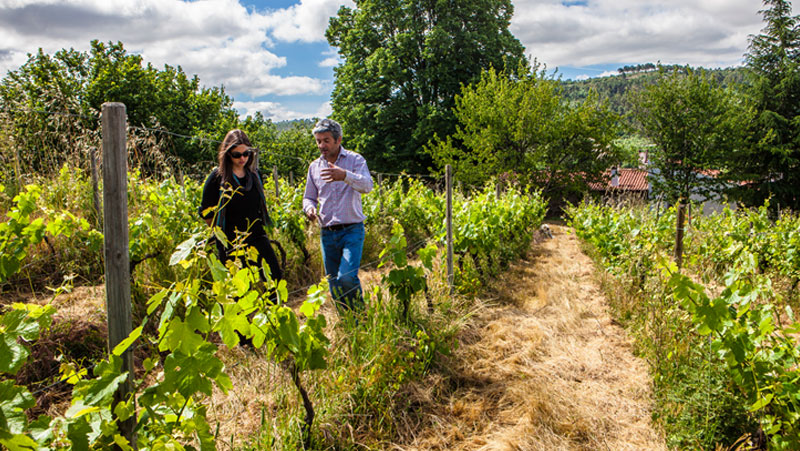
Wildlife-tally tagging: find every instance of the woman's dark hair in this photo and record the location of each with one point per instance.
(233, 139)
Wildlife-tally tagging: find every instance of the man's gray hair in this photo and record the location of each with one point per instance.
(328, 125)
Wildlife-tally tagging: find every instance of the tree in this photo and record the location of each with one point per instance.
(404, 62)
(165, 99)
(772, 168)
(696, 128)
(74, 85)
(290, 149)
(522, 124)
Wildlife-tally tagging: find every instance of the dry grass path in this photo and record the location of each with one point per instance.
(541, 367)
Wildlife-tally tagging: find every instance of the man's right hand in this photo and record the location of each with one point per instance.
(311, 214)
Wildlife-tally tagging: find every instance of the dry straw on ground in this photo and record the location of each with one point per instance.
(541, 367)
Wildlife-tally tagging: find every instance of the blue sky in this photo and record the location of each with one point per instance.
(272, 57)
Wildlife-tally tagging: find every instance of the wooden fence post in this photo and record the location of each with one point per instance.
(291, 178)
(679, 233)
(95, 187)
(275, 178)
(380, 194)
(117, 260)
(449, 184)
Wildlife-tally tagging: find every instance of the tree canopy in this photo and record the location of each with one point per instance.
(772, 168)
(78, 83)
(521, 124)
(51, 105)
(696, 127)
(404, 62)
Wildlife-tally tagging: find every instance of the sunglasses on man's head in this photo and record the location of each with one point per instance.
(246, 153)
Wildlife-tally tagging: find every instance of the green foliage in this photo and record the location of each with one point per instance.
(616, 90)
(21, 323)
(205, 304)
(405, 280)
(725, 364)
(488, 232)
(772, 165)
(78, 83)
(520, 123)
(629, 148)
(416, 207)
(19, 232)
(230, 303)
(291, 150)
(762, 358)
(695, 126)
(27, 226)
(404, 62)
(491, 231)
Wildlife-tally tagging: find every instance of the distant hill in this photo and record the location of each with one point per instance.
(288, 125)
(615, 89)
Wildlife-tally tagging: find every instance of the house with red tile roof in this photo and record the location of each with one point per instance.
(623, 182)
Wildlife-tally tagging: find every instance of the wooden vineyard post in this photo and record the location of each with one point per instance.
(95, 187)
(117, 260)
(679, 233)
(275, 178)
(380, 194)
(449, 184)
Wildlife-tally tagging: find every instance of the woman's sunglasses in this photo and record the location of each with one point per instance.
(246, 153)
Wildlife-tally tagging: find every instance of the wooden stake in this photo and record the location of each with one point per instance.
(275, 178)
(117, 260)
(449, 186)
(679, 233)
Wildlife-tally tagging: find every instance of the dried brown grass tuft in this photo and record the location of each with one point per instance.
(542, 366)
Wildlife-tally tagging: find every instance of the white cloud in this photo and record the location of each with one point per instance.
(711, 33)
(227, 44)
(220, 40)
(270, 110)
(306, 21)
(331, 59)
(277, 111)
(324, 110)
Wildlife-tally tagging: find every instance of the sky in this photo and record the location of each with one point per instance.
(272, 56)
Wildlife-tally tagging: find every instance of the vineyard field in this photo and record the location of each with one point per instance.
(719, 332)
(190, 312)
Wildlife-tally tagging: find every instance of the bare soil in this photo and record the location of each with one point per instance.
(541, 367)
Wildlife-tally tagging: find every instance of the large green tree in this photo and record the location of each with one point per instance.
(696, 126)
(404, 62)
(773, 166)
(74, 85)
(521, 124)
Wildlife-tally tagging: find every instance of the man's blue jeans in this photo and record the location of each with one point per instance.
(341, 253)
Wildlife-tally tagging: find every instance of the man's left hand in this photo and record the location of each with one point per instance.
(333, 173)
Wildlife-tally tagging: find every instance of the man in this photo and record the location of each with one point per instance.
(334, 186)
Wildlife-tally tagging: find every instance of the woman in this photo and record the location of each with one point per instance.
(243, 209)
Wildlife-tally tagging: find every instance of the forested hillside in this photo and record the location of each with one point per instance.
(615, 89)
